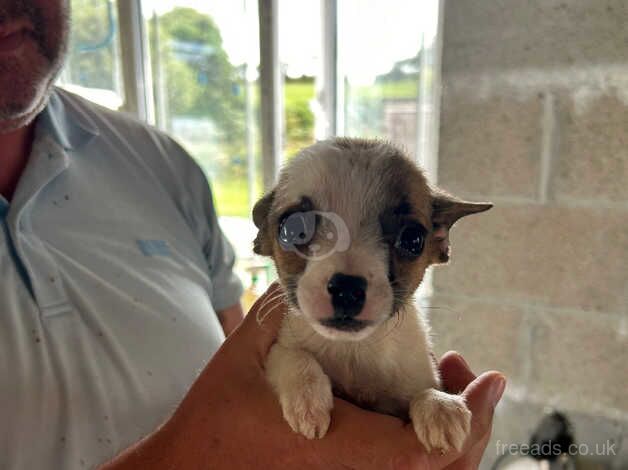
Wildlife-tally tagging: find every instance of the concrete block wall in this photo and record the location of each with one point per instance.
(534, 117)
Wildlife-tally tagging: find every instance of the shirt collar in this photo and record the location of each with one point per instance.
(68, 126)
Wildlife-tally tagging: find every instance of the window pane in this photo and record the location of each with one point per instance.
(300, 47)
(204, 61)
(380, 62)
(93, 67)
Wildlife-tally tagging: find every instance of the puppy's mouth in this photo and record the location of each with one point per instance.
(345, 324)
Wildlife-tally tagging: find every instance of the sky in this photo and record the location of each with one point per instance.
(373, 34)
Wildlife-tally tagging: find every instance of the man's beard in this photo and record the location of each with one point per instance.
(26, 84)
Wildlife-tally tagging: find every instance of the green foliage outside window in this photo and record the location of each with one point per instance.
(92, 48)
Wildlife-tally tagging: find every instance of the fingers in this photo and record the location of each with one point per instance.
(481, 395)
(456, 376)
(368, 441)
(473, 457)
(263, 321)
(455, 372)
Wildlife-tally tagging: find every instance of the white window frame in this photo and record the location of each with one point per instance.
(135, 56)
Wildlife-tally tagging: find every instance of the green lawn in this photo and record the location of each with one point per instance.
(299, 91)
(403, 89)
(304, 91)
(231, 196)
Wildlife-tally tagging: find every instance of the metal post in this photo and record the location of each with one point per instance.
(270, 87)
(329, 89)
(428, 112)
(137, 77)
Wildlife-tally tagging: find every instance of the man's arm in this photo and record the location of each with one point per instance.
(230, 318)
(231, 419)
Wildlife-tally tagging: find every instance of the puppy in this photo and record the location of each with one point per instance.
(352, 226)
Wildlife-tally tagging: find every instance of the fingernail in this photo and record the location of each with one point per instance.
(497, 390)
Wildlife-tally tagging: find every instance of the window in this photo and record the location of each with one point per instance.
(93, 66)
(204, 60)
(300, 56)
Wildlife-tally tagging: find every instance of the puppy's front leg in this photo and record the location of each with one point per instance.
(440, 420)
(304, 390)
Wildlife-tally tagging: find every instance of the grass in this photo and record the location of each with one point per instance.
(401, 89)
(230, 192)
(299, 91)
(297, 97)
(231, 197)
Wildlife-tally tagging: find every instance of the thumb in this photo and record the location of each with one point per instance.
(261, 324)
(481, 395)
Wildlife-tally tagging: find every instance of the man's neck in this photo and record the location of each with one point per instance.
(15, 147)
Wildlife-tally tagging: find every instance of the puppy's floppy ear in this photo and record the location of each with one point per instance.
(446, 210)
(262, 245)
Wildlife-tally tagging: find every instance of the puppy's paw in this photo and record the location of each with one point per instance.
(307, 406)
(441, 421)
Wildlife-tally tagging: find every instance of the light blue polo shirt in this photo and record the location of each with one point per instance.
(112, 266)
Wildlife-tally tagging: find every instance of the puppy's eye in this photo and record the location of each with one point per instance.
(297, 229)
(410, 240)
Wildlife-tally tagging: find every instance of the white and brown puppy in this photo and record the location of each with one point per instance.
(352, 226)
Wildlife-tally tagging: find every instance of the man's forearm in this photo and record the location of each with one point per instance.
(230, 318)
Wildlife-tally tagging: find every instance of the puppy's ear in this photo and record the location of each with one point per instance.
(262, 245)
(446, 210)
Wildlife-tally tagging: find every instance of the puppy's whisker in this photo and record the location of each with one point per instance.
(281, 297)
(272, 297)
(388, 332)
(446, 309)
(260, 319)
(275, 300)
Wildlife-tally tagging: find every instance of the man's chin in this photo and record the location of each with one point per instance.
(13, 119)
(26, 81)
(21, 99)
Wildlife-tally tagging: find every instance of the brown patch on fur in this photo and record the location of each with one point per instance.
(263, 245)
(289, 265)
(410, 199)
(288, 262)
(446, 210)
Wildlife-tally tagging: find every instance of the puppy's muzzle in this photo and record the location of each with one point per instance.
(348, 295)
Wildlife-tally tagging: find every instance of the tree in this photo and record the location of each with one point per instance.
(298, 113)
(201, 82)
(92, 45)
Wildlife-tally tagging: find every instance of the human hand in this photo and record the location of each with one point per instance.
(231, 418)
(456, 377)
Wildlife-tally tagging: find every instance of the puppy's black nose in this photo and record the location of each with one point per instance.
(348, 294)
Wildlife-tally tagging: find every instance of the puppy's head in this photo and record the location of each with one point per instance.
(352, 226)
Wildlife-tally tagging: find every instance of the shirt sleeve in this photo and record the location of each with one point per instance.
(194, 197)
(227, 288)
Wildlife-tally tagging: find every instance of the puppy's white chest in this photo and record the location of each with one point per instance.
(383, 372)
(369, 379)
